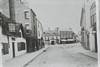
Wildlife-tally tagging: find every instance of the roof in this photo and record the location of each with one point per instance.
(33, 12)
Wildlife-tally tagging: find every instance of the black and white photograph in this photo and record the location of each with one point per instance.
(49, 33)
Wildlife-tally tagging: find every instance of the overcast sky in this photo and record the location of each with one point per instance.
(58, 13)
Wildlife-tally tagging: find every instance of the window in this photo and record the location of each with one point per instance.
(11, 27)
(21, 46)
(27, 15)
(5, 49)
(93, 19)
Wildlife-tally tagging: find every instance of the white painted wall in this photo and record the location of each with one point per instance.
(17, 53)
(3, 39)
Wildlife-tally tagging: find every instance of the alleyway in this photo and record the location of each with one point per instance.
(67, 55)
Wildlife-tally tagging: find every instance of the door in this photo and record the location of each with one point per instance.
(96, 47)
(13, 49)
(88, 44)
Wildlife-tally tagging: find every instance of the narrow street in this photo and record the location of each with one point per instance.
(66, 55)
(49, 33)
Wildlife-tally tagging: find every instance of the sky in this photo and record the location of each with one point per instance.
(58, 13)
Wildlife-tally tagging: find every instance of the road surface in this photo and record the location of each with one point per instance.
(63, 56)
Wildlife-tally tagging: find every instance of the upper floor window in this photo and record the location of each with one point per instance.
(93, 19)
(26, 14)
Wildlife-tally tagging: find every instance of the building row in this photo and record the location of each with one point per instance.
(20, 30)
(60, 36)
(88, 25)
(52, 36)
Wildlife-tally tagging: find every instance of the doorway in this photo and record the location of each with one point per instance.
(96, 47)
(13, 49)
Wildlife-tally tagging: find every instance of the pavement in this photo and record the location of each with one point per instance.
(86, 52)
(20, 61)
(78, 48)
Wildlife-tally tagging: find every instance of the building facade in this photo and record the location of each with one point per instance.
(89, 25)
(31, 32)
(16, 44)
(19, 29)
(12, 46)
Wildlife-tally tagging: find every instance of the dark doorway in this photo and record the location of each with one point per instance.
(13, 49)
(96, 47)
(52, 42)
(88, 44)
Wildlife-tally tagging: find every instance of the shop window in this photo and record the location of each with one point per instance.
(21, 46)
(5, 49)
